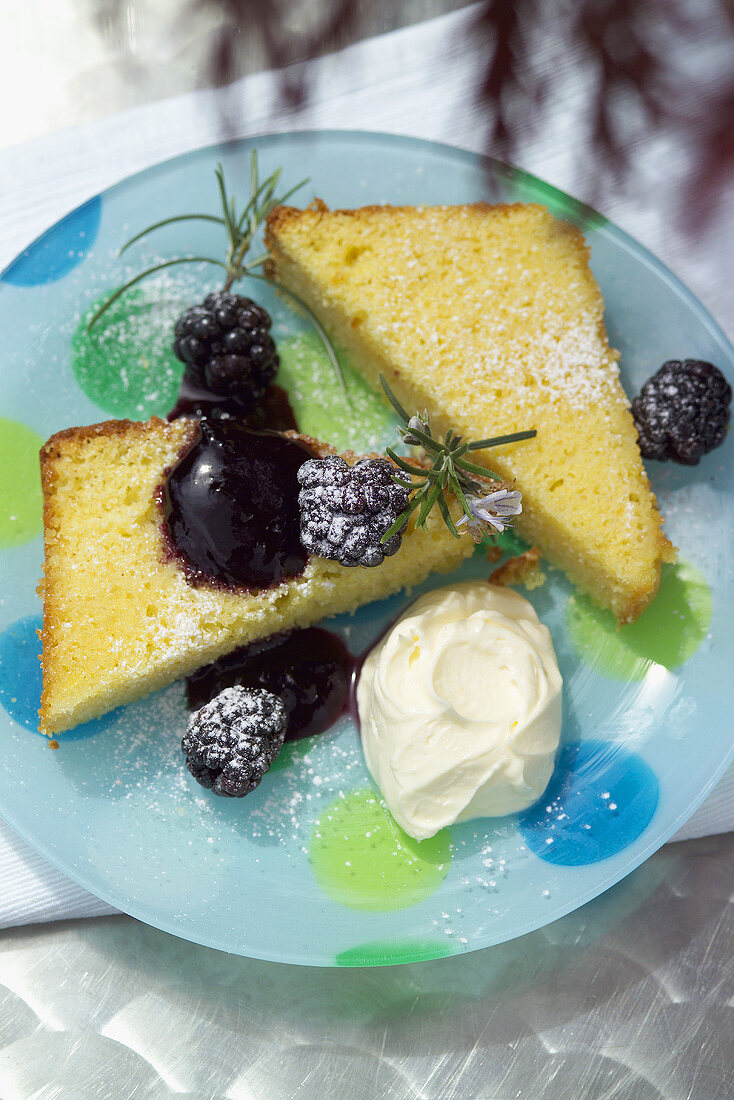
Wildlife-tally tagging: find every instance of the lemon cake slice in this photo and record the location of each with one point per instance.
(490, 318)
(120, 619)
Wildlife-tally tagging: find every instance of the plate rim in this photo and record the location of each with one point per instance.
(296, 959)
(578, 212)
(600, 222)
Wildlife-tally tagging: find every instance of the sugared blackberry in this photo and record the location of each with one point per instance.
(346, 510)
(231, 742)
(682, 412)
(226, 347)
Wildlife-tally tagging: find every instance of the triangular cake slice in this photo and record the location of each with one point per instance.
(490, 317)
(121, 620)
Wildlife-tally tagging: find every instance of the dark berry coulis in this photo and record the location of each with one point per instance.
(272, 410)
(310, 670)
(230, 507)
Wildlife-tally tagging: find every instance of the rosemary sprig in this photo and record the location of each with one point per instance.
(450, 470)
(240, 230)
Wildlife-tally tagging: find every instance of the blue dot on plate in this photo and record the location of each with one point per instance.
(59, 250)
(20, 679)
(601, 797)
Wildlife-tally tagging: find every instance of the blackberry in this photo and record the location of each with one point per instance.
(231, 742)
(682, 412)
(226, 347)
(346, 510)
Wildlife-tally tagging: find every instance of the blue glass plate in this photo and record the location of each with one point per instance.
(309, 868)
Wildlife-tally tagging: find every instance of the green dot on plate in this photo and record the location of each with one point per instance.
(361, 858)
(125, 362)
(365, 422)
(390, 953)
(292, 753)
(508, 542)
(667, 633)
(21, 503)
(563, 206)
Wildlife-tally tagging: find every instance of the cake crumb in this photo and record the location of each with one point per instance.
(494, 553)
(53, 743)
(522, 569)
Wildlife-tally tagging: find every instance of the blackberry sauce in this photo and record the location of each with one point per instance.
(273, 410)
(231, 517)
(230, 507)
(310, 670)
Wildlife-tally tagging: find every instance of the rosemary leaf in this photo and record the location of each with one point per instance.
(256, 262)
(500, 440)
(401, 520)
(429, 500)
(251, 213)
(292, 191)
(253, 173)
(444, 509)
(245, 215)
(463, 464)
(402, 483)
(462, 499)
(272, 183)
(143, 275)
(169, 221)
(417, 470)
(229, 224)
(393, 400)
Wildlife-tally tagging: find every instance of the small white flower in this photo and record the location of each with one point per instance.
(493, 511)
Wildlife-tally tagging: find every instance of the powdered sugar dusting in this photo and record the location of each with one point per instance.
(527, 320)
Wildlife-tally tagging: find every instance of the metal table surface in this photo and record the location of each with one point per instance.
(629, 998)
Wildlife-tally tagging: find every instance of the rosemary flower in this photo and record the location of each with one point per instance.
(491, 511)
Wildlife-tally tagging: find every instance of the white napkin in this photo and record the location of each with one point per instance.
(419, 81)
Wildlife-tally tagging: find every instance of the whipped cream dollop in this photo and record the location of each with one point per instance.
(460, 708)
